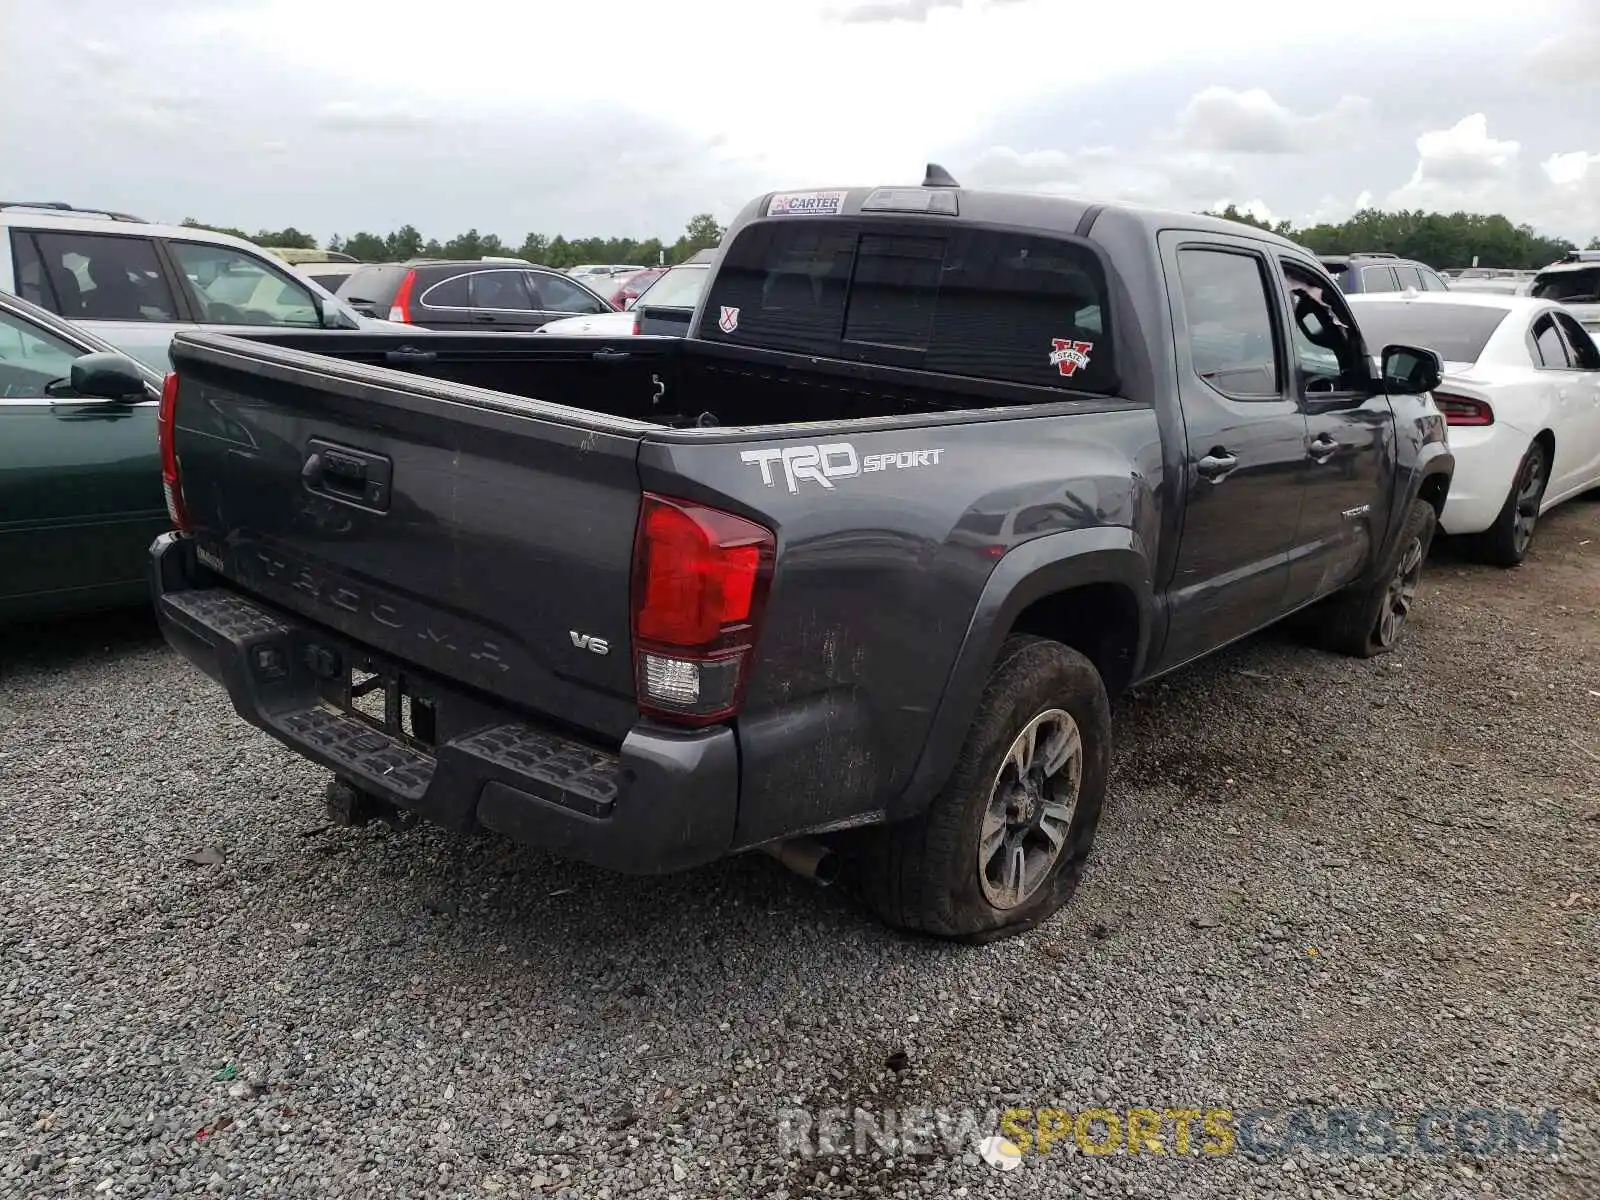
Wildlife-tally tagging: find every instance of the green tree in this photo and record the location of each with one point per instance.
(1594, 244)
(191, 223)
(288, 239)
(1231, 213)
(367, 247)
(404, 243)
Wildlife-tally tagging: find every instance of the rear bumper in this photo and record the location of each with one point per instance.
(663, 802)
(1487, 459)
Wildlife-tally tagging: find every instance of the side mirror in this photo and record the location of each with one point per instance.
(1411, 370)
(107, 376)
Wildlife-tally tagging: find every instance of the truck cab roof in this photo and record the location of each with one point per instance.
(1049, 214)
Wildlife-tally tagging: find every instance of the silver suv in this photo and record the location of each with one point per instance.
(135, 284)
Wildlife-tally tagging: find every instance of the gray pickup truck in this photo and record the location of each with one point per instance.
(851, 574)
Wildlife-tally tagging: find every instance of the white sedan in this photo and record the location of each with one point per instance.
(1521, 396)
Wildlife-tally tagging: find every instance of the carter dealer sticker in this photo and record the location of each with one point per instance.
(805, 204)
(728, 321)
(1068, 356)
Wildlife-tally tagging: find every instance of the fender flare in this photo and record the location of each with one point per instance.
(1041, 567)
(1433, 460)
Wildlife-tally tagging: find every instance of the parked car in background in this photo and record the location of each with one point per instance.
(626, 288)
(665, 308)
(1521, 394)
(80, 478)
(329, 275)
(597, 275)
(938, 475)
(295, 255)
(474, 294)
(1359, 274)
(135, 284)
(1501, 281)
(1574, 282)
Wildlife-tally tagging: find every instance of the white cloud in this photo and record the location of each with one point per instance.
(890, 10)
(1253, 208)
(1014, 93)
(358, 117)
(1039, 170)
(1226, 121)
(1466, 168)
(1572, 57)
(1567, 170)
(1463, 155)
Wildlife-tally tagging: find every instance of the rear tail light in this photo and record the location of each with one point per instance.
(1463, 410)
(700, 580)
(636, 320)
(400, 308)
(166, 442)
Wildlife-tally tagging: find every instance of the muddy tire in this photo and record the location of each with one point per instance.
(1003, 845)
(1368, 618)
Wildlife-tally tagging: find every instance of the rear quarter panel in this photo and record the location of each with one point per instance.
(880, 572)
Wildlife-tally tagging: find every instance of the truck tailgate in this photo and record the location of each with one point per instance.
(458, 530)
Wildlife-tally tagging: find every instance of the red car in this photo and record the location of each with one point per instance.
(629, 286)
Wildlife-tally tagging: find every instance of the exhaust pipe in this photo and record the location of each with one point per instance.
(806, 857)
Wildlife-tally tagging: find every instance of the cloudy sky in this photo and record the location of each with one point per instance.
(626, 117)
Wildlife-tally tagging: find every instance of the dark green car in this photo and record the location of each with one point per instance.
(80, 478)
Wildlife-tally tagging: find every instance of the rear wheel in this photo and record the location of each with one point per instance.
(1004, 844)
(1506, 542)
(1368, 618)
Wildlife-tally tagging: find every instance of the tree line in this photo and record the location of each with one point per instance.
(407, 242)
(1442, 240)
(1445, 241)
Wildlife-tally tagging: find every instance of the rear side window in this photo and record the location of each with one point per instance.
(1551, 349)
(1229, 317)
(1377, 279)
(1408, 277)
(1433, 283)
(99, 277)
(979, 303)
(552, 293)
(1581, 344)
(1582, 286)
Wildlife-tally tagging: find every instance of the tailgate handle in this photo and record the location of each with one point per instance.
(351, 475)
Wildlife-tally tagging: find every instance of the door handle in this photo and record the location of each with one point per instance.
(1216, 465)
(483, 318)
(1323, 448)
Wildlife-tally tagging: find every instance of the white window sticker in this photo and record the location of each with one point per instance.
(728, 321)
(805, 204)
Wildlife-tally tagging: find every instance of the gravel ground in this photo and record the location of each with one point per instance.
(1320, 883)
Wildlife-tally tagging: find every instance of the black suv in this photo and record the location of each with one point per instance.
(487, 294)
(1360, 273)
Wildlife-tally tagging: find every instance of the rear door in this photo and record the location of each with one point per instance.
(80, 484)
(1347, 483)
(1584, 395)
(1379, 278)
(481, 299)
(1246, 443)
(115, 285)
(553, 296)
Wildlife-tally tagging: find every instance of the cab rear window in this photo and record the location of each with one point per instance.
(982, 303)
